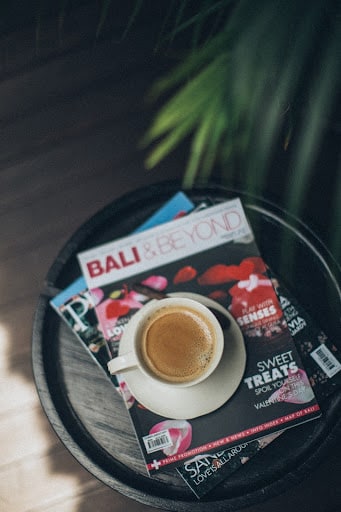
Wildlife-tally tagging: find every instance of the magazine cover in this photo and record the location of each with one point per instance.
(75, 304)
(204, 472)
(212, 253)
(321, 358)
(115, 309)
(322, 362)
(76, 307)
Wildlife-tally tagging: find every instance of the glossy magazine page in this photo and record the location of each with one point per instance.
(322, 363)
(76, 306)
(211, 253)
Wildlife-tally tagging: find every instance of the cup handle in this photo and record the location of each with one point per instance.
(122, 362)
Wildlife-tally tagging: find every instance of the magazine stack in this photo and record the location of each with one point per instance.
(282, 367)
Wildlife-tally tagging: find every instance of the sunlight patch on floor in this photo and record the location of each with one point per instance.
(34, 466)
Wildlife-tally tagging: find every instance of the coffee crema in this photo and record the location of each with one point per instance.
(178, 344)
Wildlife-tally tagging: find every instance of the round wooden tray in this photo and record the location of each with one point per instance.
(89, 416)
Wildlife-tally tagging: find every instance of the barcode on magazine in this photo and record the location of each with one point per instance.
(326, 360)
(157, 441)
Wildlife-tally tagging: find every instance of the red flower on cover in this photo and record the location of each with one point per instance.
(180, 432)
(121, 306)
(156, 282)
(220, 273)
(251, 283)
(217, 274)
(115, 309)
(184, 274)
(218, 295)
(248, 294)
(259, 266)
(243, 270)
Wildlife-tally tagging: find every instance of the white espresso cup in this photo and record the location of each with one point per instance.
(176, 341)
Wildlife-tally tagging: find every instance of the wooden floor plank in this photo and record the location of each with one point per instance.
(77, 116)
(25, 435)
(16, 382)
(36, 88)
(16, 335)
(36, 482)
(109, 500)
(70, 119)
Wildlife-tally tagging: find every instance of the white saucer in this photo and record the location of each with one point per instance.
(205, 397)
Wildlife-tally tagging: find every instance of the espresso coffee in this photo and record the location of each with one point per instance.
(178, 344)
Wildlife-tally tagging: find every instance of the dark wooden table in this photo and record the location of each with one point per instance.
(92, 422)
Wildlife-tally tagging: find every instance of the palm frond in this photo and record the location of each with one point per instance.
(268, 45)
(204, 143)
(192, 100)
(103, 16)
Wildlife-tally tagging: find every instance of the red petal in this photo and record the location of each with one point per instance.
(184, 274)
(218, 295)
(259, 265)
(217, 274)
(115, 309)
